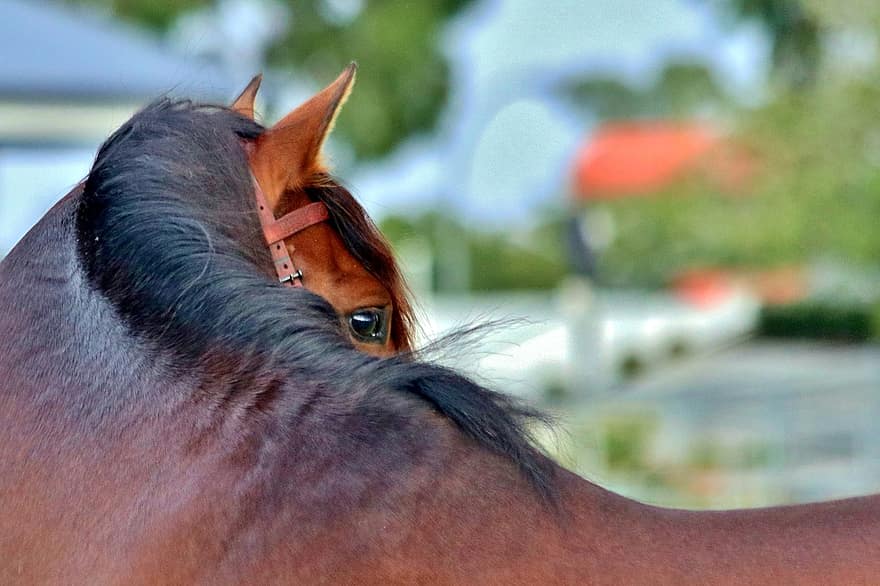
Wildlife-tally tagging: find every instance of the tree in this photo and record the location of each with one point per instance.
(681, 89)
(795, 33)
(157, 16)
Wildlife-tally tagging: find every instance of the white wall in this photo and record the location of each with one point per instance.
(31, 180)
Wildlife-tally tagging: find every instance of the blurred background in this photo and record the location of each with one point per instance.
(669, 207)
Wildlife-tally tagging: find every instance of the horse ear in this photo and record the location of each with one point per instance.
(244, 103)
(289, 154)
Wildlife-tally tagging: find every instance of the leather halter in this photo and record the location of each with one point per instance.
(275, 231)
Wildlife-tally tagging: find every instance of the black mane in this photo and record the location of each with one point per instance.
(167, 231)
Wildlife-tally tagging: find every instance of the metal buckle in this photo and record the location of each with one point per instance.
(292, 277)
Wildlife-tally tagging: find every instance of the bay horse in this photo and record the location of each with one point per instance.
(171, 414)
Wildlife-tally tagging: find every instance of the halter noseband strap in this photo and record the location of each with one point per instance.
(276, 231)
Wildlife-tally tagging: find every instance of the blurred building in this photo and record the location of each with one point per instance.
(68, 78)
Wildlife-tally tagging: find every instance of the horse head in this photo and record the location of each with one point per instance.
(344, 259)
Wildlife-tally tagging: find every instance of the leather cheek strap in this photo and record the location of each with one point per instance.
(275, 231)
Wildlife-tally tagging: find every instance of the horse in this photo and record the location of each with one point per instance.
(170, 413)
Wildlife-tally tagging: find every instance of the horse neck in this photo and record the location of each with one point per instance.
(97, 431)
(617, 540)
(59, 333)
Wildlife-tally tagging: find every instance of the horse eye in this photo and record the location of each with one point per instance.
(369, 325)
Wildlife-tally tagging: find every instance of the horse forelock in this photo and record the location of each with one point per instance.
(167, 231)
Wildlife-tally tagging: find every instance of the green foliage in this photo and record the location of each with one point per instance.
(819, 320)
(705, 455)
(533, 260)
(875, 319)
(499, 264)
(607, 98)
(625, 442)
(692, 225)
(816, 193)
(631, 366)
(681, 89)
(150, 13)
(821, 159)
(795, 33)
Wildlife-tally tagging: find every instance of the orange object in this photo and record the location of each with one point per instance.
(703, 288)
(640, 157)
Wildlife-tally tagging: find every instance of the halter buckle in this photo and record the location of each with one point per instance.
(291, 277)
